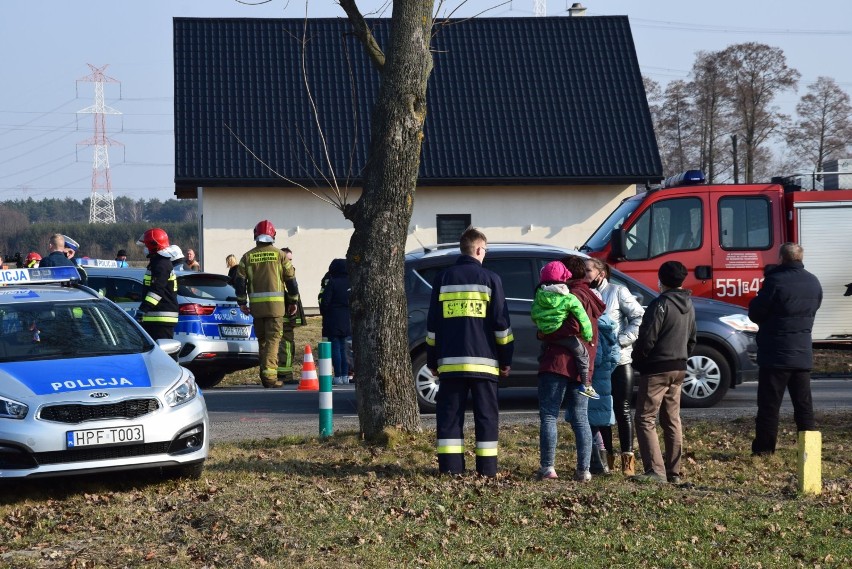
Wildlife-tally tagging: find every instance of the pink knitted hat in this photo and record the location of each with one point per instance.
(555, 272)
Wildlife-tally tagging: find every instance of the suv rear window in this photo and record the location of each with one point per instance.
(205, 287)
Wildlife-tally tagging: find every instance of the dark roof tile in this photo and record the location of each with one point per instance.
(510, 100)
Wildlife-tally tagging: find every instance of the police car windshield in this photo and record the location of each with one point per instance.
(59, 330)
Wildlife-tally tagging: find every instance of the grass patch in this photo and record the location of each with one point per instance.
(302, 502)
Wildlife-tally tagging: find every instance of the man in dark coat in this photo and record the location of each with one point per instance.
(784, 308)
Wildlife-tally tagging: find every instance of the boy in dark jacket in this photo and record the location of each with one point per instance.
(784, 308)
(666, 338)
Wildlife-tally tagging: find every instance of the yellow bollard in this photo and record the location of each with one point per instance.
(810, 462)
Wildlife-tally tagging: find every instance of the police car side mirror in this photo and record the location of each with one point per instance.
(171, 347)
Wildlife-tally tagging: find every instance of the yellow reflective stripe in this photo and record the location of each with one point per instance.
(256, 299)
(430, 341)
(486, 448)
(450, 446)
(166, 319)
(506, 340)
(152, 298)
(465, 295)
(469, 367)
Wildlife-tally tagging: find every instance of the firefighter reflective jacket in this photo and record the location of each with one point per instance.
(468, 333)
(266, 281)
(159, 305)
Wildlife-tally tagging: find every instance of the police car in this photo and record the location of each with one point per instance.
(216, 337)
(84, 389)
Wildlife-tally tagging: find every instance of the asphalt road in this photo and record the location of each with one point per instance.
(238, 413)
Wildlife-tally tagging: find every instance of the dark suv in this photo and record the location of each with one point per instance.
(724, 357)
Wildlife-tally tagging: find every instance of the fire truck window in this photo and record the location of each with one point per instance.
(637, 238)
(744, 223)
(669, 225)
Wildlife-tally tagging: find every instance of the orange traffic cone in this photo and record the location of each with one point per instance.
(309, 381)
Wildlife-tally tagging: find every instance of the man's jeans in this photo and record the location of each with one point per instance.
(660, 393)
(551, 392)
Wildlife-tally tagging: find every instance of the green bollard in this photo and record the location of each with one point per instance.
(326, 427)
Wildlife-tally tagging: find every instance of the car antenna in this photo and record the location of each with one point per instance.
(424, 247)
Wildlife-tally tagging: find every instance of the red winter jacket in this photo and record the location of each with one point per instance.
(557, 359)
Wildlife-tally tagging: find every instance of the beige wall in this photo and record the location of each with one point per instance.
(317, 232)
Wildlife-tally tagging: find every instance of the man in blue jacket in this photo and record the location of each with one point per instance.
(784, 308)
(469, 345)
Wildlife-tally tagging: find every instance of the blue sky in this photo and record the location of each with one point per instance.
(47, 44)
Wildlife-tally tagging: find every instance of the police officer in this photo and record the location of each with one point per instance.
(159, 305)
(287, 347)
(266, 288)
(56, 256)
(469, 344)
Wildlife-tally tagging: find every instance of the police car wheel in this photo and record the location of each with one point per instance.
(208, 379)
(708, 377)
(425, 384)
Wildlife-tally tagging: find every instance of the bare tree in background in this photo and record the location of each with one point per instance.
(676, 135)
(711, 98)
(756, 74)
(654, 95)
(824, 126)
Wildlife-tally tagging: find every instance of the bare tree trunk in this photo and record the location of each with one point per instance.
(386, 396)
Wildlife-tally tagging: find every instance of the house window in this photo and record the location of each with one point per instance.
(451, 226)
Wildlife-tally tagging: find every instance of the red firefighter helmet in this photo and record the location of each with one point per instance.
(32, 260)
(264, 232)
(154, 240)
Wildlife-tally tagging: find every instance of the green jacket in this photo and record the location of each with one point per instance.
(550, 309)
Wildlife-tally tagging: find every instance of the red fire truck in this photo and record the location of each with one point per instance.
(727, 235)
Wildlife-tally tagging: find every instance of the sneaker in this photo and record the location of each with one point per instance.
(546, 473)
(649, 477)
(582, 476)
(588, 391)
(337, 380)
(675, 479)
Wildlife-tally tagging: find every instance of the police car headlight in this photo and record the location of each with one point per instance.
(11, 409)
(184, 391)
(739, 322)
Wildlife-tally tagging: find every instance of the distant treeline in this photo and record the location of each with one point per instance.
(28, 224)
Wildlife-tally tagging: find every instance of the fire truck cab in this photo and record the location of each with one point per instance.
(727, 235)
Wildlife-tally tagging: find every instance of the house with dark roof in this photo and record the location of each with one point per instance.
(536, 129)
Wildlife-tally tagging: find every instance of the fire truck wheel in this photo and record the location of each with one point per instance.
(708, 377)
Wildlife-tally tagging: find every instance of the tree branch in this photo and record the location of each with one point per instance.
(363, 33)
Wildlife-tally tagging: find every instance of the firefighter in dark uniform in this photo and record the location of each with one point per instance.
(266, 288)
(287, 347)
(469, 345)
(159, 306)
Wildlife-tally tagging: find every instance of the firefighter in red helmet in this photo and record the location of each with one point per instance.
(159, 306)
(32, 260)
(266, 289)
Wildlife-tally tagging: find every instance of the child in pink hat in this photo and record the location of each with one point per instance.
(552, 305)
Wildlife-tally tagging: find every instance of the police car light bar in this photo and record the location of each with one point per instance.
(43, 275)
(688, 178)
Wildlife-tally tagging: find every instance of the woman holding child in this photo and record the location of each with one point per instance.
(559, 371)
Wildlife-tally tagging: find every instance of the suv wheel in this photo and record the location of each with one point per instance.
(708, 377)
(425, 383)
